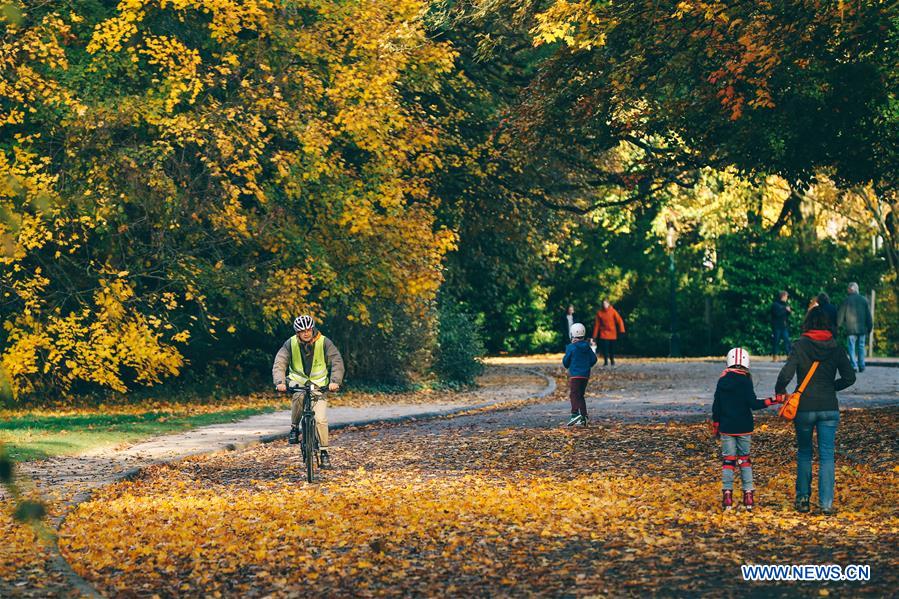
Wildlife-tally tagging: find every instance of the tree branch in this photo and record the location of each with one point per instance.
(790, 206)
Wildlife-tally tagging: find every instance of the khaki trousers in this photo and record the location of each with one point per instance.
(319, 408)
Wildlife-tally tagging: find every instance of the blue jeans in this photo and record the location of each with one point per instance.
(826, 422)
(777, 336)
(735, 454)
(853, 342)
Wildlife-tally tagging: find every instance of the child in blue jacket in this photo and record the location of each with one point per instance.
(579, 359)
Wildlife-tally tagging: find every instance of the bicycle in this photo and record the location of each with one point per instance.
(309, 443)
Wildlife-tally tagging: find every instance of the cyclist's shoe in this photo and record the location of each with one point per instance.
(727, 501)
(829, 511)
(802, 505)
(294, 437)
(324, 460)
(584, 419)
(748, 500)
(575, 418)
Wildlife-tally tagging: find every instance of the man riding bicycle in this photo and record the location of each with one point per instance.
(309, 357)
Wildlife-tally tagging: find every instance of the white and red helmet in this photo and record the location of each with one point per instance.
(577, 331)
(738, 357)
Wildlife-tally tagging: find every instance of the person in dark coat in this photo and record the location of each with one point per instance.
(780, 324)
(818, 405)
(855, 318)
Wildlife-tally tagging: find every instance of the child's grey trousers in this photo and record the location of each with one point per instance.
(735, 454)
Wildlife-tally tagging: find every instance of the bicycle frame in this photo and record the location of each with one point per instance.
(309, 447)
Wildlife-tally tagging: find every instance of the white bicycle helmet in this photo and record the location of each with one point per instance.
(577, 330)
(738, 357)
(302, 323)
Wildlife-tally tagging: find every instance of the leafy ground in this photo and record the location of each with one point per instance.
(25, 563)
(23, 560)
(494, 503)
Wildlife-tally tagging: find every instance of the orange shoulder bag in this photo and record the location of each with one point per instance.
(791, 406)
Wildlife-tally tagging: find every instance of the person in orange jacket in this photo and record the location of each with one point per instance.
(606, 328)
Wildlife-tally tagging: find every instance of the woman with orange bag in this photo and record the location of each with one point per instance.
(816, 351)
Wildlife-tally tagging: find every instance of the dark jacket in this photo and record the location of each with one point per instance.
(734, 402)
(779, 314)
(821, 392)
(579, 359)
(855, 315)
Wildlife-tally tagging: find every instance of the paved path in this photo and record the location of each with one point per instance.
(681, 390)
(527, 445)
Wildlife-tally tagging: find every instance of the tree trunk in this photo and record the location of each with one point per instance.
(791, 210)
(886, 216)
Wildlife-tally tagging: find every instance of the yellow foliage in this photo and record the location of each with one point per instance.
(576, 24)
(89, 347)
(237, 149)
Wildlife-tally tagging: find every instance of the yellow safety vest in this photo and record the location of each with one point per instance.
(318, 374)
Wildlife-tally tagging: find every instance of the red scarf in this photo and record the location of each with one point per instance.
(736, 370)
(818, 335)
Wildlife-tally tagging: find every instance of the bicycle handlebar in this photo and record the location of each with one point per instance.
(307, 387)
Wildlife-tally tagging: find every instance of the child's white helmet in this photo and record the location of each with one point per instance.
(577, 330)
(738, 357)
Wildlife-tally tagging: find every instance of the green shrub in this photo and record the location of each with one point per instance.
(460, 346)
(393, 351)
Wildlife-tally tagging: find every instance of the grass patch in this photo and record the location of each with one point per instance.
(33, 436)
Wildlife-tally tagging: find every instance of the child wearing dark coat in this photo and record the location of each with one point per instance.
(579, 359)
(732, 420)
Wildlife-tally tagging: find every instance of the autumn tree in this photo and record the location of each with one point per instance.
(788, 88)
(180, 178)
(506, 244)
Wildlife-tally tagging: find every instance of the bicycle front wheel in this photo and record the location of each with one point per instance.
(309, 448)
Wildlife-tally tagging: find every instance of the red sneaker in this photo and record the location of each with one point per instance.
(748, 500)
(728, 501)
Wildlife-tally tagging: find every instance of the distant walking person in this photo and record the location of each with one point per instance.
(607, 326)
(780, 328)
(855, 318)
(565, 324)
